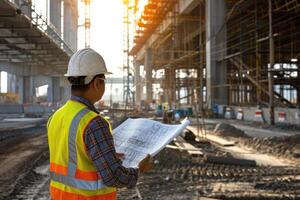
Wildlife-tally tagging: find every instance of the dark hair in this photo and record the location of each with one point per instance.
(77, 83)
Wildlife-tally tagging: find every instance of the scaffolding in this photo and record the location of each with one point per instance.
(179, 51)
(128, 95)
(87, 22)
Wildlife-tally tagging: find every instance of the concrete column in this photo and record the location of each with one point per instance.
(11, 83)
(55, 14)
(70, 23)
(148, 68)
(20, 88)
(53, 94)
(75, 24)
(28, 89)
(215, 51)
(137, 82)
(169, 86)
(65, 89)
(67, 21)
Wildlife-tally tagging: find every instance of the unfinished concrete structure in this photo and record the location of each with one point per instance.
(35, 49)
(216, 53)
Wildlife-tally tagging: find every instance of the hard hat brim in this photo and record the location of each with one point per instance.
(73, 75)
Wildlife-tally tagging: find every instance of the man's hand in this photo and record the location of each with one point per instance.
(146, 164)
(120, 156)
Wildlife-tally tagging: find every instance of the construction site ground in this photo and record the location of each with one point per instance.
(24, 163)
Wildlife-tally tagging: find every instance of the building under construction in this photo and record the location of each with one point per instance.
(220, 53)
(215, 86)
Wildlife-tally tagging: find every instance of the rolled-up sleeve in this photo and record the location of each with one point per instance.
(100, 147)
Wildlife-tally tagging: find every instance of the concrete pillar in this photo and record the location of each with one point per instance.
(137, 82)
(53, 93)
(65, 89)
(70, 23)
(29, 89)
(148, 68)
(20, 88)
(75, 25)
(215, 51)
(169, 87)
(55, 14)
(11, 83)
(50, 91)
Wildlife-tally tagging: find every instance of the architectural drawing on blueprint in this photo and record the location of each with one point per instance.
(138, 137)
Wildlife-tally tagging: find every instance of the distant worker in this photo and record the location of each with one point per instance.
(83, 160)
(166, 117)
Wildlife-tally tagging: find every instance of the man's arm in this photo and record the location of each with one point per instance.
(100, 147)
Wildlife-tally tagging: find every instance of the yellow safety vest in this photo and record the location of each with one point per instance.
(73, 174)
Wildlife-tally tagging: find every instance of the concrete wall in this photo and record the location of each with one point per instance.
(292, 114)
(11, 109)
(27, 109)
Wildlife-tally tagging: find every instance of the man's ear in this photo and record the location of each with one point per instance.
(94, 84)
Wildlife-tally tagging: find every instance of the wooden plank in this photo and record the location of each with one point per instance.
(206, 198)
(219, 140)
(181, 144)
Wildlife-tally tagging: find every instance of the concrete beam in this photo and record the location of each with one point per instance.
(25, 70)
(184, 7)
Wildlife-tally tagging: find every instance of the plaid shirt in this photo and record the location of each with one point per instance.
(100, 147)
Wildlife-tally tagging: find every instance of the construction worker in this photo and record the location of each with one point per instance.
(83, 160)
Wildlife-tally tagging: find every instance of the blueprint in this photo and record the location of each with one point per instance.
(138, 137)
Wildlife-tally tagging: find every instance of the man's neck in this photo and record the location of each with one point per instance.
(83, 95)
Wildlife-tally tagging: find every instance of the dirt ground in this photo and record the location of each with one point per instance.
(177, 175)
(180, 176)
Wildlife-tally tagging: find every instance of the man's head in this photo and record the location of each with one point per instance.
(86, 73)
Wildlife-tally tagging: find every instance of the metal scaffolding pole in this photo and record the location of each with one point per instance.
(270, 74)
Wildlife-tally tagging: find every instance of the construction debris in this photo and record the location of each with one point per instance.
(227, 130)
(286, 146)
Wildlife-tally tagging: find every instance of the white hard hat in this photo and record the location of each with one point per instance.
(86, 62)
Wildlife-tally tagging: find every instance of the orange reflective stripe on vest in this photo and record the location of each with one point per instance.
(84, 175)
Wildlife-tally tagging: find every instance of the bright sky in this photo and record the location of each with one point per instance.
(106, 32)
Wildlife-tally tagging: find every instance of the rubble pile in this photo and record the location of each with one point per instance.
(178, 176)
(287, 146)
(227, 130)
